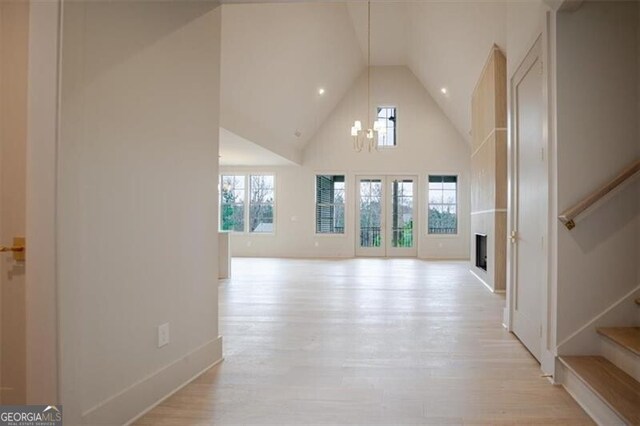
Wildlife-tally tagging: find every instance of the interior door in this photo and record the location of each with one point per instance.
(370, 219)
(14, 30)
(386, 219)
(529, 201)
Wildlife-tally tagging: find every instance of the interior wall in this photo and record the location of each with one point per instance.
(42, 323)
(137, 228)
(597, 109)
(427, 144)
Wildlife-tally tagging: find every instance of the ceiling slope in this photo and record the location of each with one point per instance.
(275, 57)
(448, 45)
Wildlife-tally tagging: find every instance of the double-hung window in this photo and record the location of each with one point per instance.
(330, 193)
(232, 202)
(261, 204)
(443, 204)
(255, 191)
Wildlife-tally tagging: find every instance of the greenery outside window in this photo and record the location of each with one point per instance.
(443, 204)
(232, 202)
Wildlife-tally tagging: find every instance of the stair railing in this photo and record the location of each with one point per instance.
(568, 216)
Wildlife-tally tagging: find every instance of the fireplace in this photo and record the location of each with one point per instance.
(481, 251)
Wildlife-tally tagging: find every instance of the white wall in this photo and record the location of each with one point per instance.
(427, 144)
(42, 330)
(137, 229)
(597, 101)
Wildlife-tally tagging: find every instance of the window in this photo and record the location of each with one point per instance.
(330, 190)
(261, 204)
(443, 205)
(387, 137)
(232, 195)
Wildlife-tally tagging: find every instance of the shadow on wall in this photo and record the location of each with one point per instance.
(123, 36)
(604, 220)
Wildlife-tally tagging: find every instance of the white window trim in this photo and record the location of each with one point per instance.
(247, 205)
(275, 207)
(346, 207)
(387, 147)
(426, 216)
(246, 190)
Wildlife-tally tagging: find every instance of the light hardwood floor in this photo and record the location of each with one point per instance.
(365, 341)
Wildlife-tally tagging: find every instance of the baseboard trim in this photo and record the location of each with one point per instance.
(136, 400)
(628, 296)
(486, 285)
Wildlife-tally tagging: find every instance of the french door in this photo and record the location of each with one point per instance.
(386, 219)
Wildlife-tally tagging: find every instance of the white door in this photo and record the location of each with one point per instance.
(529, 196)
(13, 136)
(385, 219)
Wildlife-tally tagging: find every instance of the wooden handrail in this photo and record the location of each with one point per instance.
(568, 216)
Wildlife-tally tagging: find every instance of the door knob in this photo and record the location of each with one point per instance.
(18, 249)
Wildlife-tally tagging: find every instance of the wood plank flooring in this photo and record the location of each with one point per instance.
(365, 341)
(627, 337)
(617, 389)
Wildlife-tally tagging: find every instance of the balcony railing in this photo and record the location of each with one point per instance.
(370, 236)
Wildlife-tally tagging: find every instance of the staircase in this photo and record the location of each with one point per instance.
(608, 385)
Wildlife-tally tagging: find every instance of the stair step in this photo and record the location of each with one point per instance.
(614, 387)
(627, 337)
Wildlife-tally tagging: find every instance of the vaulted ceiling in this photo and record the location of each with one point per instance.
(276, 56)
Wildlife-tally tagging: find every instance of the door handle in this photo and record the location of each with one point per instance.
(18, 249)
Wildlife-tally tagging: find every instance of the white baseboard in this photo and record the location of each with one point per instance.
(491, 289)
(129, 404)
(586, 341)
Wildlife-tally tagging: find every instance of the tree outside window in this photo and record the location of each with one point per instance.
(443, 205)
(261, 201)
(232, 195)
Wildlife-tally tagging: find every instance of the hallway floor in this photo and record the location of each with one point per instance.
(365, 341)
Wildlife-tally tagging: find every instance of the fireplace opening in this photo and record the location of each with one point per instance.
(481, 251)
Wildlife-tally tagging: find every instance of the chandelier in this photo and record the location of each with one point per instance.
(361, 137)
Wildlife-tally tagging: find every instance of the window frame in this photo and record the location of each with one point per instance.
(457, 204)
(315, 204)
(244, 201)
(395, 127)
(248, 220)
(247, 201)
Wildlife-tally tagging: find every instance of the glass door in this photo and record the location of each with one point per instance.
(401, 226)
(386, 220)
(370, 238)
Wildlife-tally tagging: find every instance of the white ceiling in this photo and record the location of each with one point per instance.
(275, 56)
(238, 151)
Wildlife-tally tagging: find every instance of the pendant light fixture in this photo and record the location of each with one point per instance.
(361, 137)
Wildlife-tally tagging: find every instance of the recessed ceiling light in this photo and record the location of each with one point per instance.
(321, 91)
(444, 90)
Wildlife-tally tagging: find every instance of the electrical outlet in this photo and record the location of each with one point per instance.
(163, 334)
(316, 244)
